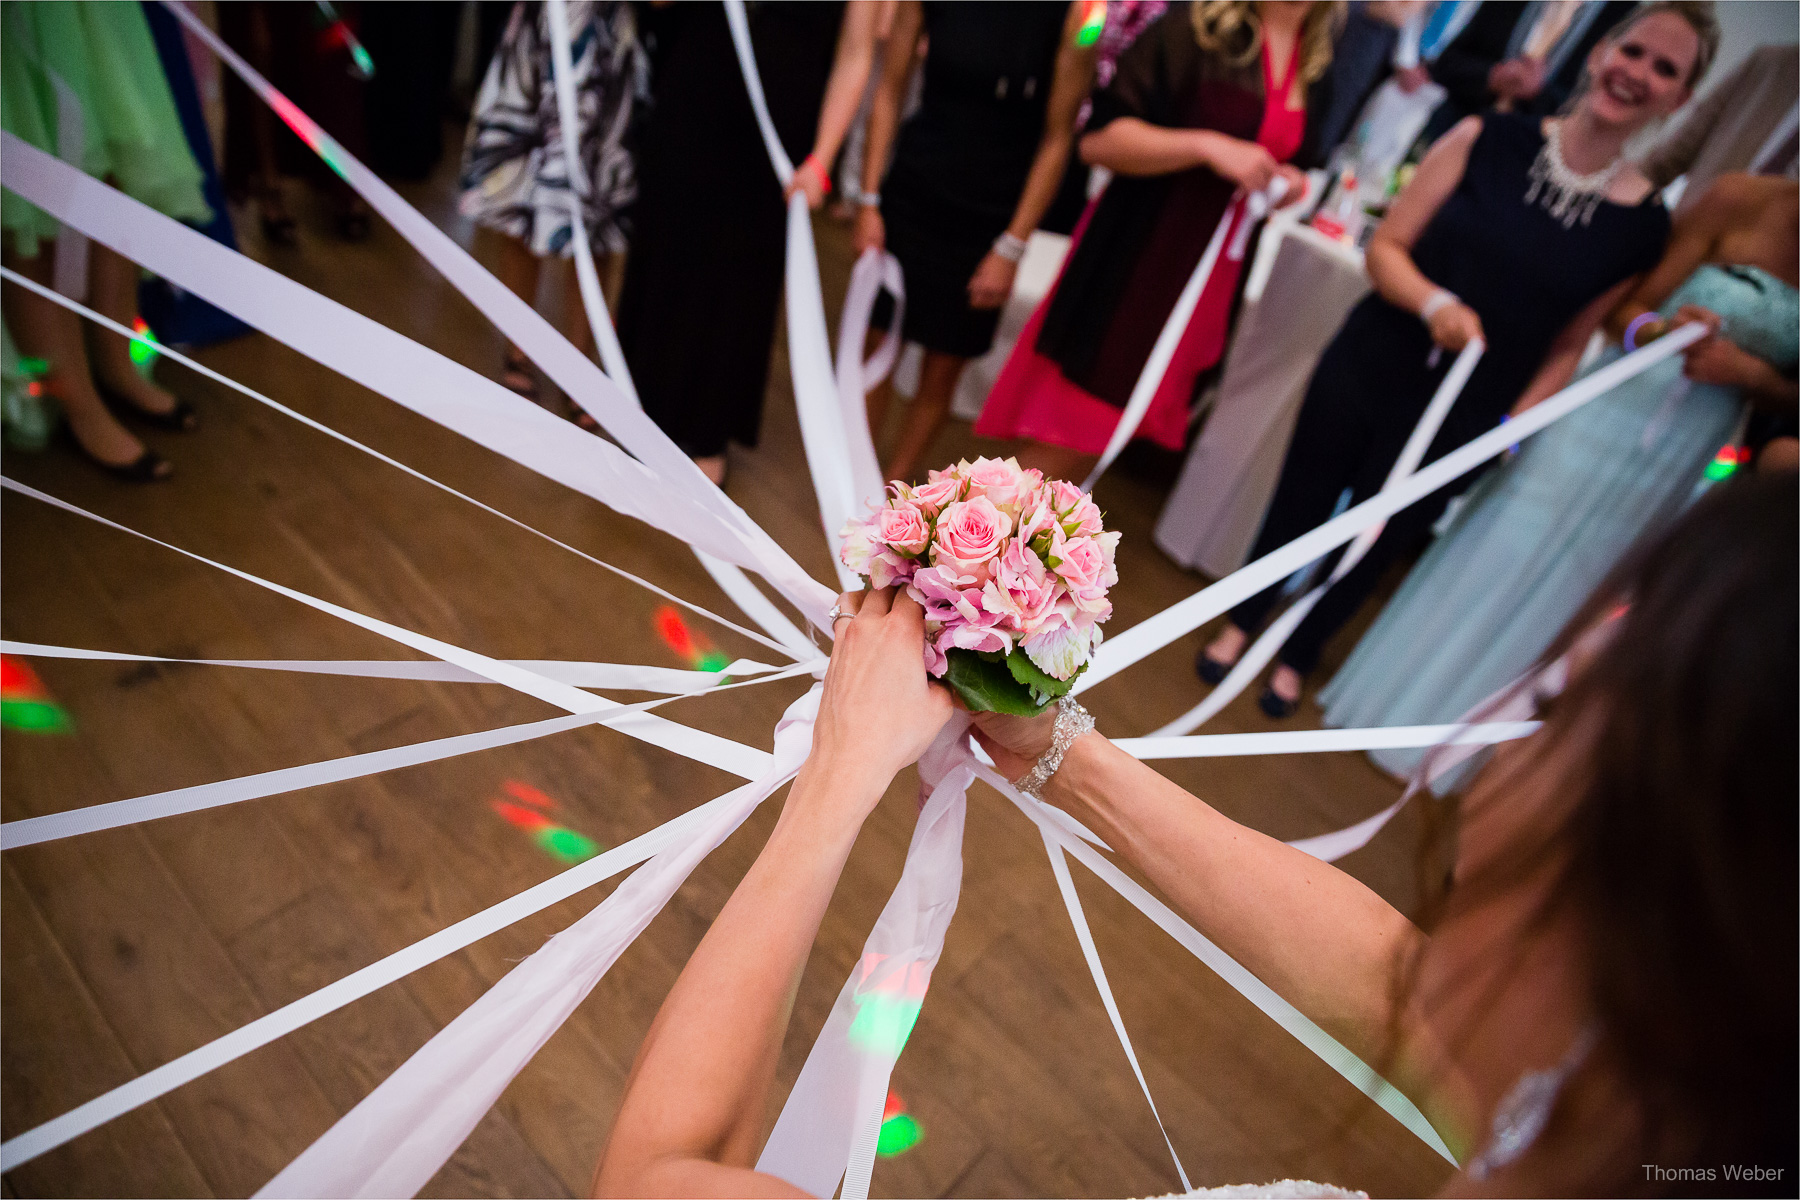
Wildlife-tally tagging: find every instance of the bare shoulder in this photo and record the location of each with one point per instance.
(1630, 185)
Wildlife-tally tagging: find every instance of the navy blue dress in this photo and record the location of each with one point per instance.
(1525, 274)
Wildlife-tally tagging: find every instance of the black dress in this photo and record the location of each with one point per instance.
(703, 279)
(960, 162)
(1525, 274)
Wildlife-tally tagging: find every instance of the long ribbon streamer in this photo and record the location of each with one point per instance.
(1162, 353)
(258, 1033)
(614, 676)
(1284, 1014)
(1254, 659)
(646, 728)
(566, 366)
(379, 358)
(393, 1142)
(801, 649)
(833, 1114)
(1185, 616)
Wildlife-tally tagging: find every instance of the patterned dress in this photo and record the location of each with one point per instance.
(514, 176)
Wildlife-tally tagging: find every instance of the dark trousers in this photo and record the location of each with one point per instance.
(1349, 437)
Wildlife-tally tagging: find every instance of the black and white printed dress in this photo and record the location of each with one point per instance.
(514, 178)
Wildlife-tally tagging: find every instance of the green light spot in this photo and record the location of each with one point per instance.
(566, 845)
(883, 1023)
(33, 716)
(713, 661)
(898, 1135)
(1719, 469)
(365, 65)
(33, 366)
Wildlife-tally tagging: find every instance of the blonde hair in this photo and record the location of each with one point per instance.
(1233, 30)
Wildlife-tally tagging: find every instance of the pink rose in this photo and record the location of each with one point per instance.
(1002, 481)
(1022, 590)
(969, 534)
(1036, 517)
(1086, 567)
(865, 553)
(903, 527)
(1064, 496)
(1083, 520)
(945, 488)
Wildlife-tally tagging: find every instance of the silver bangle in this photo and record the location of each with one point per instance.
(1072, 721)
(1441, 299)
(869, 199)
(1011, 248)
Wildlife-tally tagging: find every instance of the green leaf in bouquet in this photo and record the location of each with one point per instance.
(986, 684)
(1044, 687)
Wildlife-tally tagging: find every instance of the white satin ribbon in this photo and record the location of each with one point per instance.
(393, 1142)
(566, 366)
(801, 649)
(378, 358)
(727, 575)
(653, 730)
(622, 677)
(833, 1115)
(161, 1080)
(874, 270)
(1302, 1027)
(1257, 656)
(1151, 635)
(562, 74)
(1323, 741)
(628, 719)
(1163, 352)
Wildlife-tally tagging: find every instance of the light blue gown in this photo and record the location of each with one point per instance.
(1539, 534)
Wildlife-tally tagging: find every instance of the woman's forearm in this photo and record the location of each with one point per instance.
(1130, 146)
(849, 77)
(1395, 276)
(691, 1119)
(1319, 937)
(1042, 182)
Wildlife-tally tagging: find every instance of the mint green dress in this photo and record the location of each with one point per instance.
(1539, 534)
(101, 51)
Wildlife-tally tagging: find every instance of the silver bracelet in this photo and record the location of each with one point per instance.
(1011, 248)
(1441, 299)
(869, 199)
(1072, 721)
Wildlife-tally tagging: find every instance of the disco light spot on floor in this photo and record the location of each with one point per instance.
(26, 704)
(687, 644)
(560, 842)
(899, 1131)
(887, 1004)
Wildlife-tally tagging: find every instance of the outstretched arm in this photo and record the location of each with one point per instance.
(691, 1121)
(1316, 935)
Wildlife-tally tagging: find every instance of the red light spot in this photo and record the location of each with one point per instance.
(674, 632)
(527, 794)
(18, 681)
(895, 1106)
(528, 819)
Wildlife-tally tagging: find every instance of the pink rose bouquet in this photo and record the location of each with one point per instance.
(1012, 570)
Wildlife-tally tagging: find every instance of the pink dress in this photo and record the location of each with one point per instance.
(1032, 398)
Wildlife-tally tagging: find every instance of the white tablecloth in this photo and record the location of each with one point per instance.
(1301, 287)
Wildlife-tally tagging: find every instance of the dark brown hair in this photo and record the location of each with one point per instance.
(1676, 843)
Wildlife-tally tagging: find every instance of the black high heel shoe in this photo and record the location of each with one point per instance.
(1210, 670)
(180, 419)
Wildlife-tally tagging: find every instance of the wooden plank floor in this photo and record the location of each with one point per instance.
(123, 949)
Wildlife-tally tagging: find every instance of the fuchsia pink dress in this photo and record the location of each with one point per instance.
(1134, 250)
